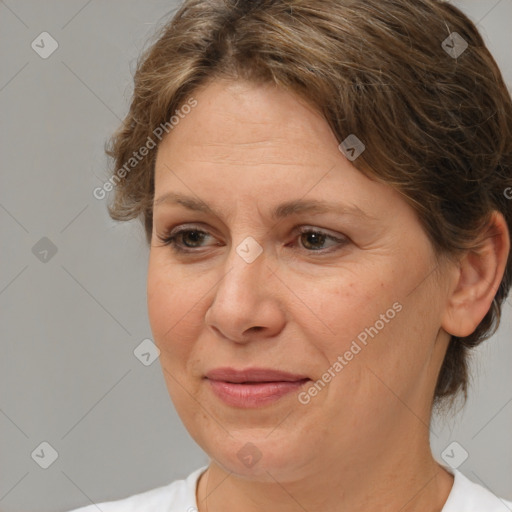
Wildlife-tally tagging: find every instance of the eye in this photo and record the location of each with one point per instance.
(313, 240)
(186, 240)
(176, 239)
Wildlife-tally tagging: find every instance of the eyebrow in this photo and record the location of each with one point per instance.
(281, 211)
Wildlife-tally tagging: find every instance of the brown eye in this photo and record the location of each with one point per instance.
(184, 240)
(313, 240)
(193, 235)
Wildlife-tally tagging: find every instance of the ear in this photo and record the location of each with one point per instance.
(477, 279)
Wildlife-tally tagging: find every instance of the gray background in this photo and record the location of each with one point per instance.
(70, 324)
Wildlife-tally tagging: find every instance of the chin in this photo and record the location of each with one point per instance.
(263, 458)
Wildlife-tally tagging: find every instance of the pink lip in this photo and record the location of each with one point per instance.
(253, 387)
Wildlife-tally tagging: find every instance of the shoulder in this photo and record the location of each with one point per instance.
(469, 496)
(179, 495)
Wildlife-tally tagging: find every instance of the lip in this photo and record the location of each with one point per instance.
(253, 387)
(252, 375)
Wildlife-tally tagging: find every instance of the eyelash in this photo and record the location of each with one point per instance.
(171, 240)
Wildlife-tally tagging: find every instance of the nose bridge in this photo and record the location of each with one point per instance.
(246, 253)
(244, 267)
(242, 298)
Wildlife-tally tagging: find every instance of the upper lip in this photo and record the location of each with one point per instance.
(253, 375)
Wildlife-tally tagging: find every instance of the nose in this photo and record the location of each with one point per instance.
(246, 303)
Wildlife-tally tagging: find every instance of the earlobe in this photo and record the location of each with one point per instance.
(477, 279)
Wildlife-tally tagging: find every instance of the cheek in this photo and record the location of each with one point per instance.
(385, 342)
(351, 304)
(370, 322)
(174, 307)
(173, 316)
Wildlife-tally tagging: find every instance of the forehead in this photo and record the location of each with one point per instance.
(251, 123)
(242, 140)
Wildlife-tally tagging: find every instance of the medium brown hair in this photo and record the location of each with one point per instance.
(437, 126)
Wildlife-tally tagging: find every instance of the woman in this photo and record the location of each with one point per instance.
(323, 186)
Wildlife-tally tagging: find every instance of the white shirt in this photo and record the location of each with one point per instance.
(180, 496)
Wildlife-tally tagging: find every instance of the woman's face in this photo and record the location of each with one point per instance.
(355, 303)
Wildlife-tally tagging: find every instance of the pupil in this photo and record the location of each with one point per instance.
(317, 236)
(195, 236)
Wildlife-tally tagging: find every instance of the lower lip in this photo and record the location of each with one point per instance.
(255, 394)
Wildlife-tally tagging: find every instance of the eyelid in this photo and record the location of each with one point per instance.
(298, 229)
(305, 228)
(187, 227)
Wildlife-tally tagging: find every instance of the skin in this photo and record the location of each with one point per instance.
(362, 443)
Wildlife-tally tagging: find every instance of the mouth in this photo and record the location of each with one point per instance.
(254, 387)
(253, 375)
